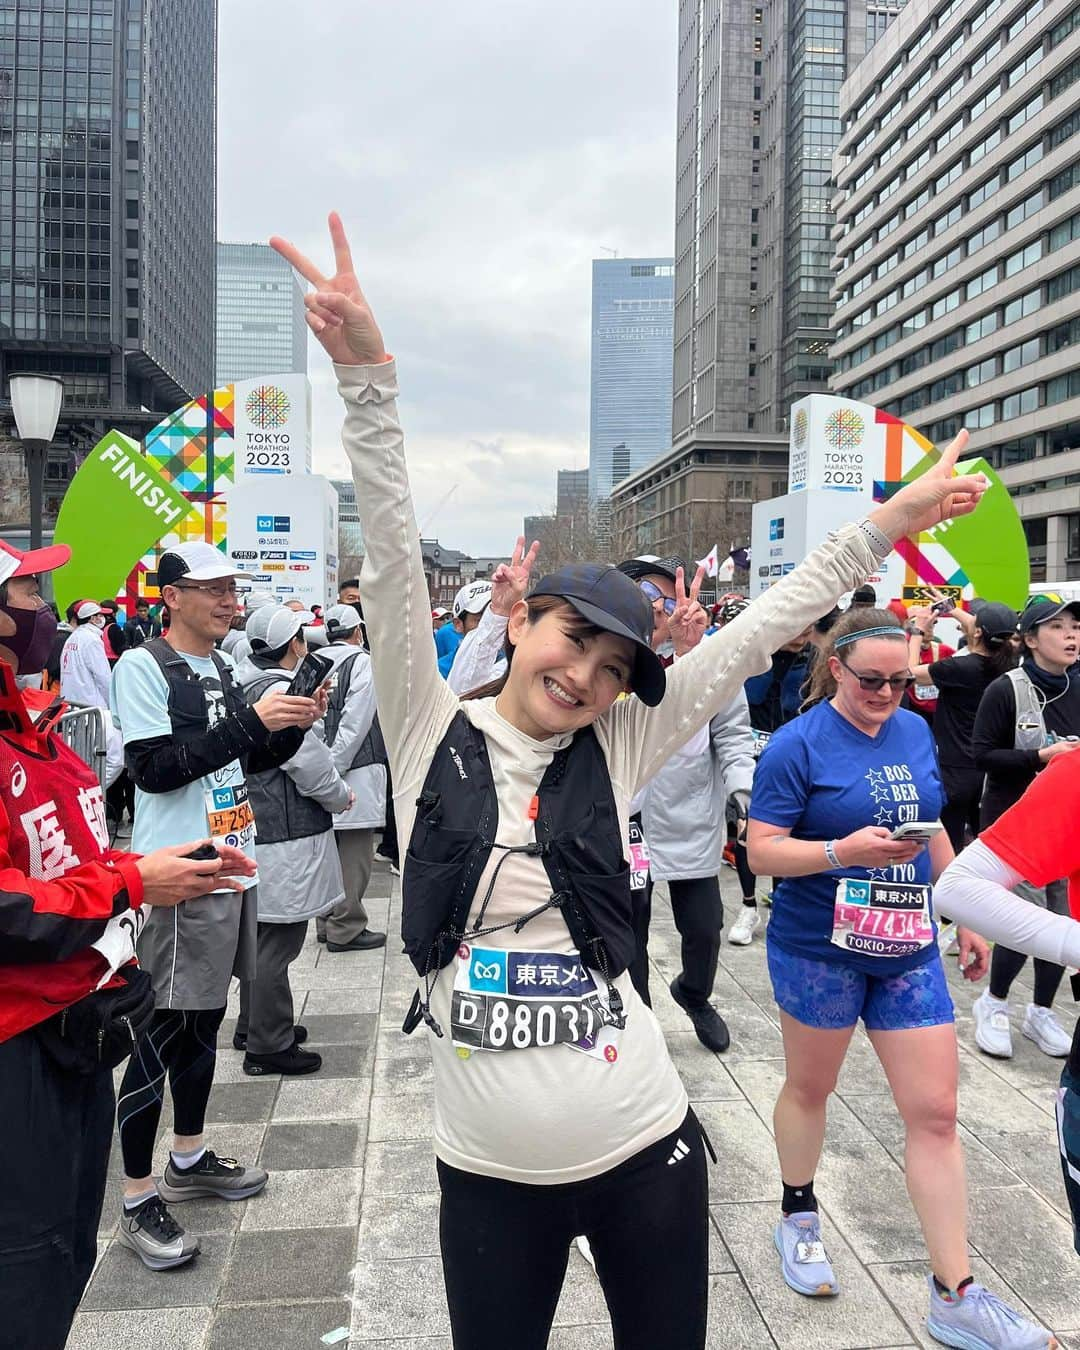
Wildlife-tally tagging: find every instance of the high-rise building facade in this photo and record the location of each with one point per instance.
(350, 534)
(107, 204)
(260, 314)
(757, 126)
(630, 376)
(958, 245)
(572, 492)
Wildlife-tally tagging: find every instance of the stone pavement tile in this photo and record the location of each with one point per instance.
(403, 1075)
(315, 1098)
(394, 1227)
(122, 1281)
(597, 1336)
(399, 1167)
(297, 1263)
(346, 970)
(1030, 1245)
(860, 1317)
(904, 1285)
(734, 1321)
(343, 1028)
(399, 1299)
(247, 1102)
(174, 1328)
(761, 1079)
(334, 1143)
(319, 1198)
(337, 1003)
(1067, 1340)
(861, 1074)
(702, 1072)
(276, 1326)
(747, 1168)
(392, 1043)
(346, 1061)
(862, 1189)
(1031, 1159)
(410, 1343)
(404, 1117)
(582, 1300)
(985, 1166)
(989, 1105)
(721, 1262)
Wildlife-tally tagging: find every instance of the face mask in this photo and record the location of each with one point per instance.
(31, 641)
(666, 650)
(98, 620)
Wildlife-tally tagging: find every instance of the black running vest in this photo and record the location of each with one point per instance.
(577, 838)
(281, 809)
(187, 700)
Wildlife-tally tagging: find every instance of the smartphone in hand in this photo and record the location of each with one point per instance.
(917, 831)
(310, 675)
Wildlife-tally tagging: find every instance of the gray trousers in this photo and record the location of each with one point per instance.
(266, 1002)
(356, 850)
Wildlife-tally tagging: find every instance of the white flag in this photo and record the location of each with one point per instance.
(726, 570)
(711, 561)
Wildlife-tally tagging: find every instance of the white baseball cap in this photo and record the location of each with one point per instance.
(273, 626)
(342, 619)
(257, 599)
(87, 610)
(472, 599)
(198, 562)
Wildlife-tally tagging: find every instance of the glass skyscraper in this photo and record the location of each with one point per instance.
(630, 401)
(260, 314)
(107, 203)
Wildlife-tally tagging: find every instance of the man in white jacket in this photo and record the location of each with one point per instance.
(355, 743)
(84, 667)
(299, 874)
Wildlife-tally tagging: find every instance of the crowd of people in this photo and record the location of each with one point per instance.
(542, 753)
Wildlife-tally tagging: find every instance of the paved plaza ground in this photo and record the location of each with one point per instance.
(345, 1234)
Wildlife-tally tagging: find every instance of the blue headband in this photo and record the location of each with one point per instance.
(848, 638)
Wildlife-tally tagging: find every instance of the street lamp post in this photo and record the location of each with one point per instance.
(35, 403)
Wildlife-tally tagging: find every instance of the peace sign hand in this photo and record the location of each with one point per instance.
(337, 312)
(510, 581)
(935, 496)
(688, 621)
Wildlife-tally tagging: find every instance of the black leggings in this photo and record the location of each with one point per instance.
(1006, 964)
(699, 916)
(960, 813)
(505, 1246)
(184, 1045)
(747, 880)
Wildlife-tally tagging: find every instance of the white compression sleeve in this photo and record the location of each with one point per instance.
(975, 891)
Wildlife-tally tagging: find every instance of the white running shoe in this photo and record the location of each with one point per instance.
(1042, 1027)
(992, 1032)
(741, 933)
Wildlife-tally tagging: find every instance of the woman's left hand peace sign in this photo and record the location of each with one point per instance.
(338, 314)
(688, 621)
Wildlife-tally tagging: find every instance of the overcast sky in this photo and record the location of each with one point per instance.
(481, 155)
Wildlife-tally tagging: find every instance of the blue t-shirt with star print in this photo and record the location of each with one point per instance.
(823, 778)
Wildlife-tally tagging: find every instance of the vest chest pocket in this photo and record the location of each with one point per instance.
(435, 865)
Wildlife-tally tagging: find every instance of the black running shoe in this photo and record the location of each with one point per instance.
(152, 1232)
(710, 1027)
(211, 1176)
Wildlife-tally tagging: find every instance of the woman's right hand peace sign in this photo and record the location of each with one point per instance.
(337, 312)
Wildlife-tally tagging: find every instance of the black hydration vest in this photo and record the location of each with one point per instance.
(372, 749)
(577, 838)
(281, 809)
(187, 699)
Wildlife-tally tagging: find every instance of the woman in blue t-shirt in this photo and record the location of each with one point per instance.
(851, 936)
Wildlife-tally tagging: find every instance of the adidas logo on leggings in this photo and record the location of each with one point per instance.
(679, 1154)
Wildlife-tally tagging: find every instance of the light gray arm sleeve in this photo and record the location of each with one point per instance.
(733, 742)
(477, 659)
(975, 890)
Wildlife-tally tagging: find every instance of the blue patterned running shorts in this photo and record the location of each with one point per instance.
(827, 995)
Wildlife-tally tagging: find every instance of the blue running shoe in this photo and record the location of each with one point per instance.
(981, 1321)
(805, 1266)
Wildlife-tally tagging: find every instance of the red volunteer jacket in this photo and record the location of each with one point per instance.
(60, 883)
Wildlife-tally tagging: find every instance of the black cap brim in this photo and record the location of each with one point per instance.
(648, 679)
(1073, 605)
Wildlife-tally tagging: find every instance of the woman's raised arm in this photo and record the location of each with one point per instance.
(414, 702)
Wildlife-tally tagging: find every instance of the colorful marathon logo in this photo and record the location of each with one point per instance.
(267, 406)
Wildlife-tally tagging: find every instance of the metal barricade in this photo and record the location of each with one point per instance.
(86, 731)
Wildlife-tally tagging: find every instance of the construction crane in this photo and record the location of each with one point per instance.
(437, 508)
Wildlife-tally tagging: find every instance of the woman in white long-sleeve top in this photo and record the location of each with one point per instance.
(557, 1108)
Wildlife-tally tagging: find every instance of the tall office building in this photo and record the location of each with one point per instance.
(572, 492)
(260, 314)
(107, 204)
(350, 534)
(958, 245)
(758, 95)
(630, 378)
